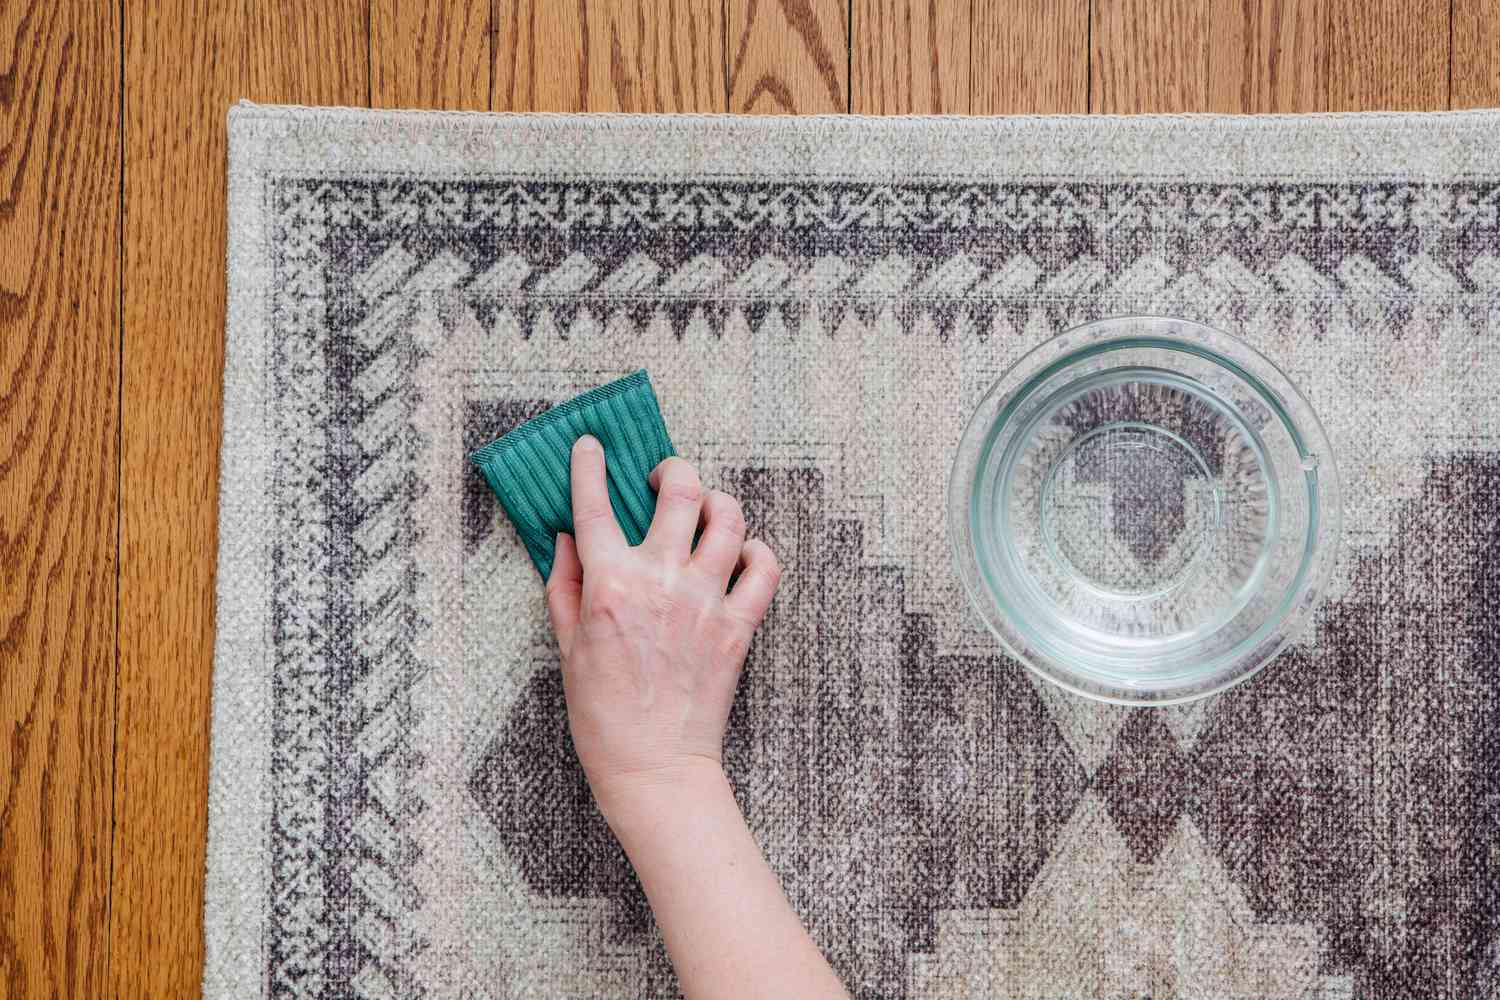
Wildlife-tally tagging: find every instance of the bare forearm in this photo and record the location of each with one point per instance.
(728, 926)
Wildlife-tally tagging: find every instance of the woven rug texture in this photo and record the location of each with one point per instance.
(395, 807)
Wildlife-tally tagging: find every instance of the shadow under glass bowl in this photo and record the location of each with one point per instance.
(1144, 510)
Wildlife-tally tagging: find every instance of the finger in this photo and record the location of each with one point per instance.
(593, 518)
(723, 536)
(760, 574)
(679, 497)
(564, 591)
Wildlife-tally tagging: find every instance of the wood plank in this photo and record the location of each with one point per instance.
(1268, 57)
(1031, 57)
(788, 56)
(655, 55)
(59, 476)
(1476, 54)
(1149, 56)
(305, 52)
(592, 55)
(184, 62)
(909, 57)
(1195, 56)
(430, 54)
(541, 56)
(1387, 55)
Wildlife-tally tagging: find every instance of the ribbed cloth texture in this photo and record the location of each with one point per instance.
(530, 468)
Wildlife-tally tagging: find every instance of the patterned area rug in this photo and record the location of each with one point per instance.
(395, 807)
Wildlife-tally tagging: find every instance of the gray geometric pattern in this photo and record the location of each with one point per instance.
(946, 825)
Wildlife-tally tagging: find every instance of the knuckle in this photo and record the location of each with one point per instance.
(609, 597)
(662, 605)
(590, 513)
(732, 644)
(680, 491)
(745, 623)
(679, 480)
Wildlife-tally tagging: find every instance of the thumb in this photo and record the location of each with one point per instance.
(564, 591)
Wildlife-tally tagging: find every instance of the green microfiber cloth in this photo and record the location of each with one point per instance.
(530, 468)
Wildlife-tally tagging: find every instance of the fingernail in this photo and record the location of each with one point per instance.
(587, 443)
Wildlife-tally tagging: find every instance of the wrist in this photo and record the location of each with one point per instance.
(643, 806)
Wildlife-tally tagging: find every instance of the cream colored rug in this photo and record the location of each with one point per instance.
(395, 807)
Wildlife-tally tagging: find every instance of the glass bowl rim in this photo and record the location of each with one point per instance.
(1100, 336)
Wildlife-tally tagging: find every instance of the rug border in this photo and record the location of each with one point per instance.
(1347, 147)
(238, 852)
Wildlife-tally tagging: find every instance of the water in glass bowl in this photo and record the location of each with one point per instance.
(1143, 510)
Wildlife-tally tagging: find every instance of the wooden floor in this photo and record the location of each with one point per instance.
(112, 306)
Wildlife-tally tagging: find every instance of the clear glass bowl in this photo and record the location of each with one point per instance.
(1144, 510)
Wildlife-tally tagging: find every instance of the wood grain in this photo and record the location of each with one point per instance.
(541, 56)
(655, 55)
(788, 56)
(430, 54)
(1267, 56)
(1030, 57)
(1251, 56)
(591, 55)
(303, 52)
(1149, 56)
(1387, 55)
(184, 62)
(59, 476)
(909, 57)
(1476, 54)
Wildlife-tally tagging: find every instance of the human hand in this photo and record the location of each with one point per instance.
(652, 638)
